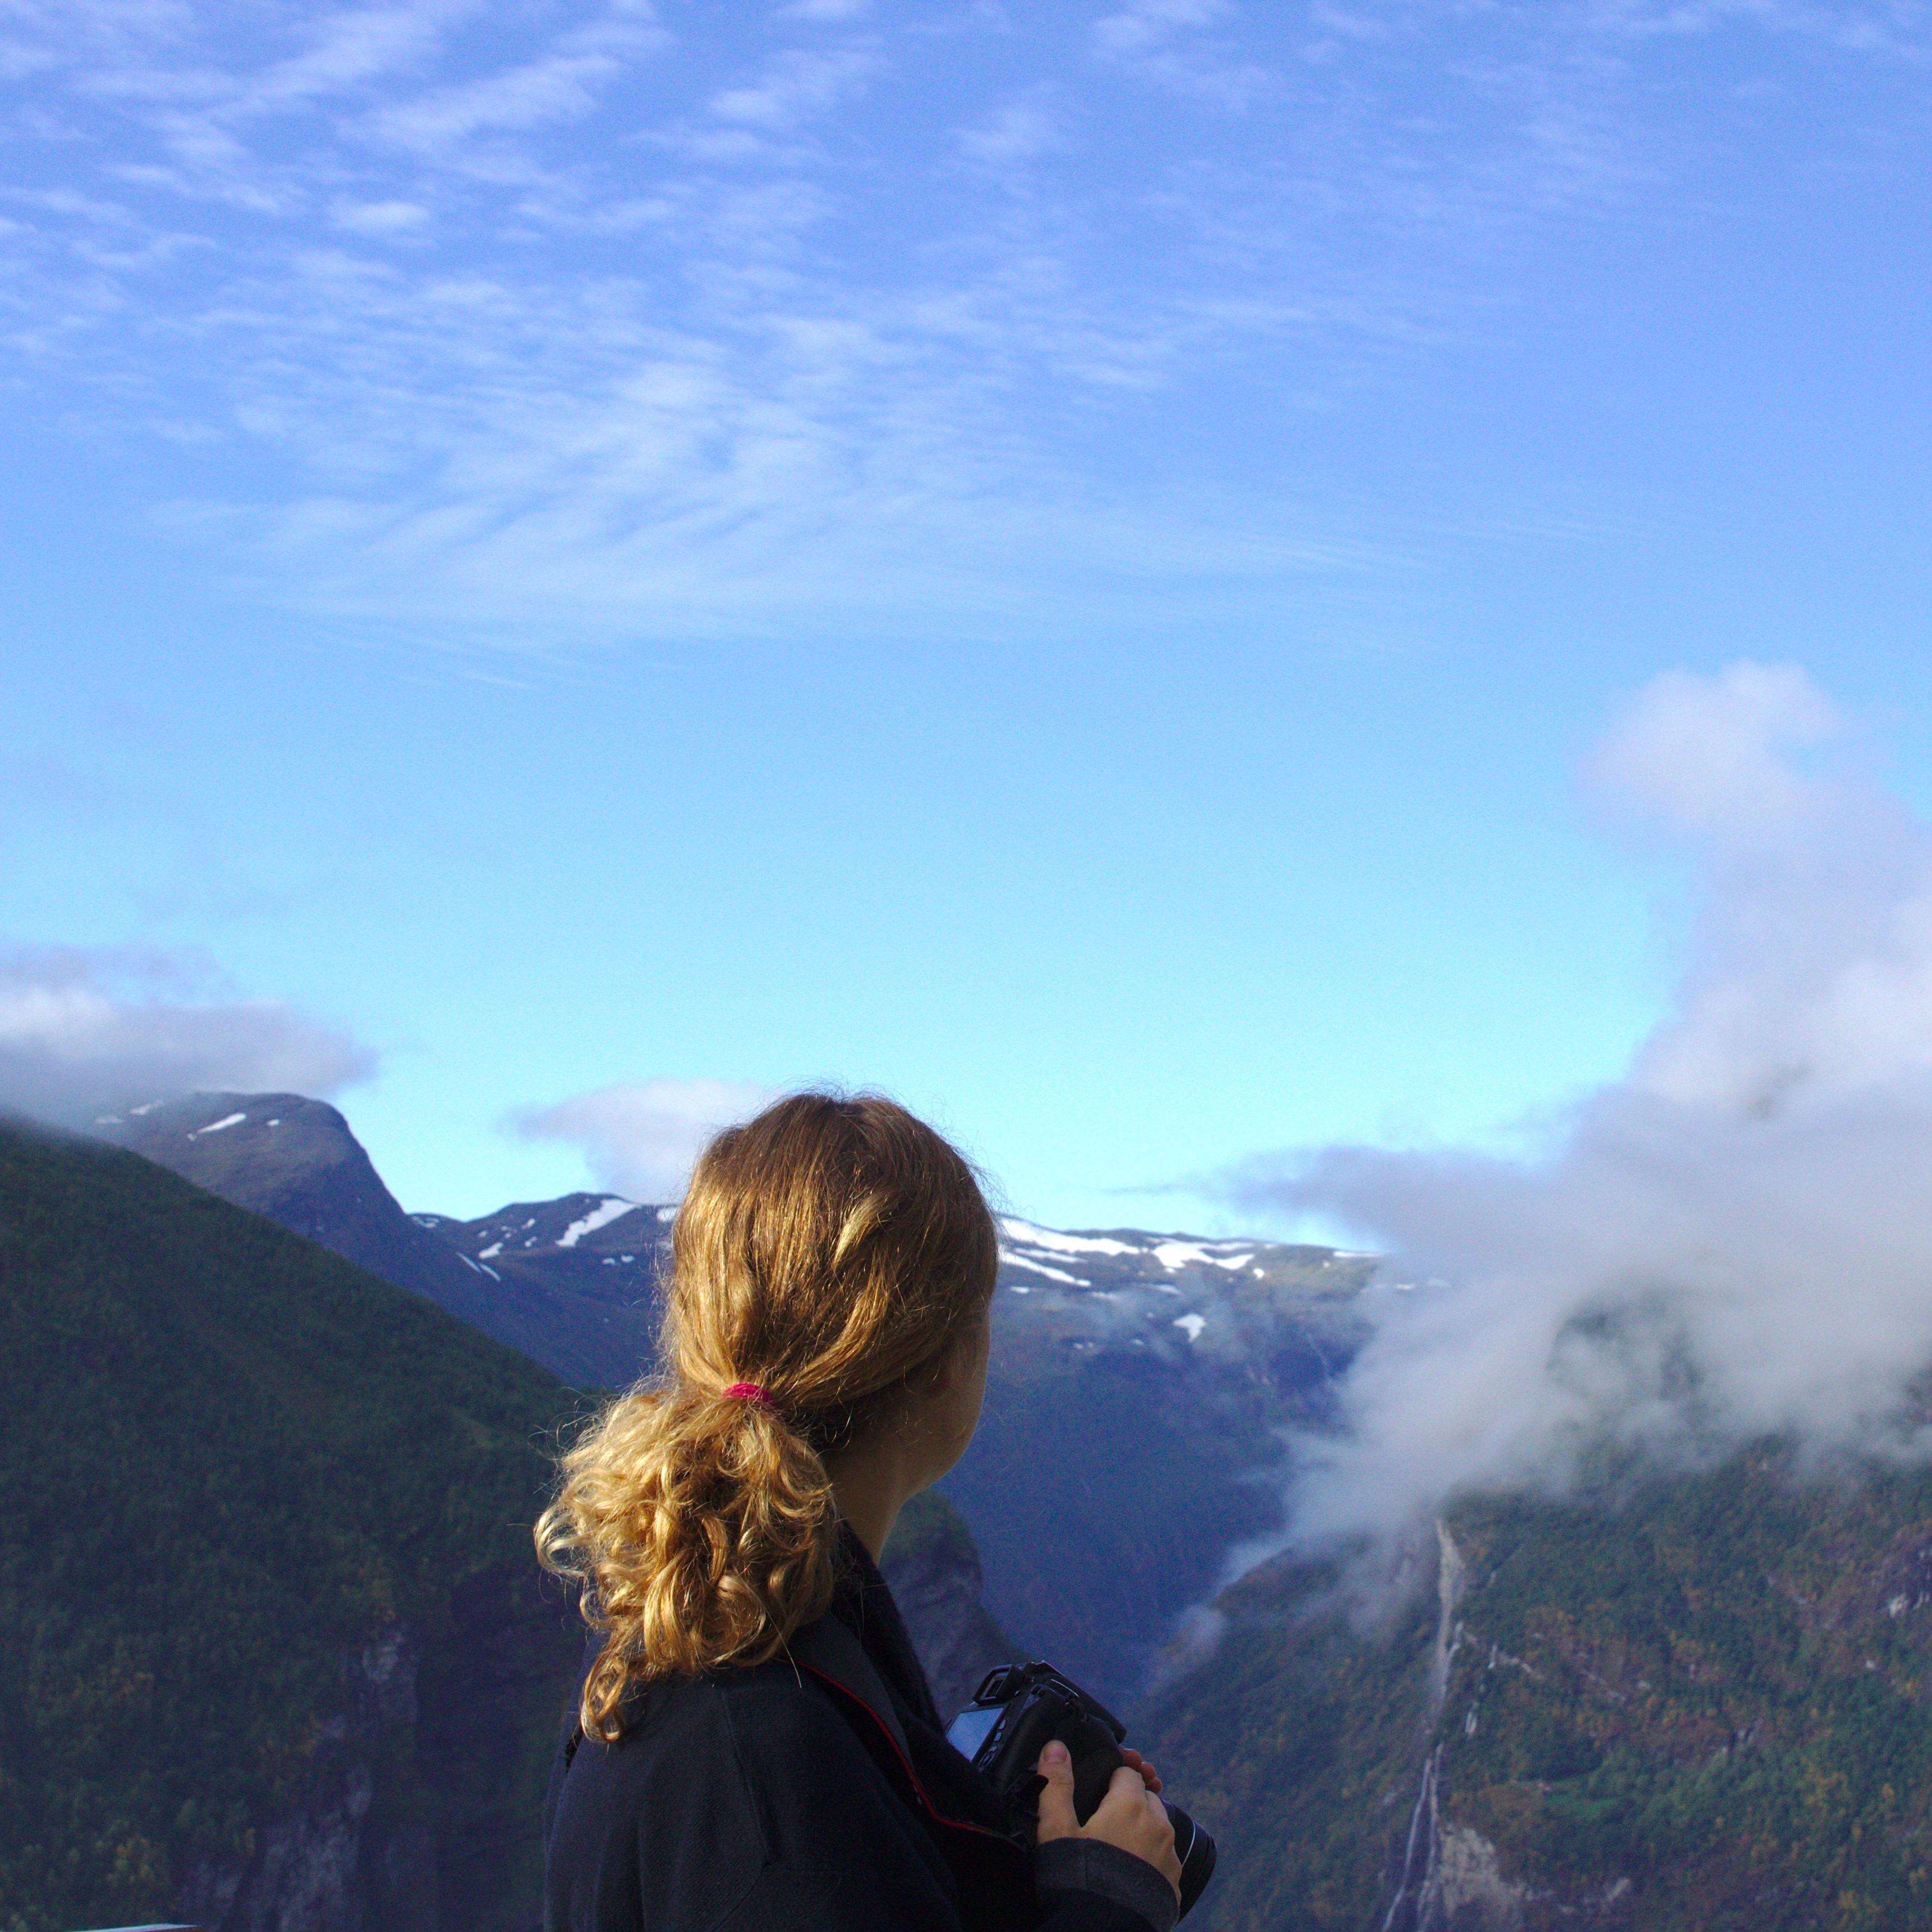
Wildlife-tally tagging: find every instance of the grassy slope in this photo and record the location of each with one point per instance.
(1716, 1689)
(230, 1460)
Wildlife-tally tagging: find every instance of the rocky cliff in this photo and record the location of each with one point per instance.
(933, 1567)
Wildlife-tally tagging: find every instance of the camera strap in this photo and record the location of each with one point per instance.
(831, 1650)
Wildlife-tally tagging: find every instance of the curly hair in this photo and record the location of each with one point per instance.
(831, 1252)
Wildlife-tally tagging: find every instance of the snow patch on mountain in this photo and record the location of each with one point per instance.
(613, 1208)
(1196, 1254)
(1025, 1234)
(1010, 1259)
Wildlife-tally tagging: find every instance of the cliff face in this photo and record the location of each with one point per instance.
(934, 1569)
(335, 1861)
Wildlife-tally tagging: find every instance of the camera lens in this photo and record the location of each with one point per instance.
(1195, 1850)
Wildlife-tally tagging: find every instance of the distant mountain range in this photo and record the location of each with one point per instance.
(1139, 1381)
(295, 1161)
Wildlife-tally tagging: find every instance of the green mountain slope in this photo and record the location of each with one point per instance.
(1703, 1704)
(267, 1609)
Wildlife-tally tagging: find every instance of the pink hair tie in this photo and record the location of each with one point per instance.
(749, 1392)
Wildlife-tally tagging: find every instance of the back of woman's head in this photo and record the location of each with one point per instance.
(828, 1253)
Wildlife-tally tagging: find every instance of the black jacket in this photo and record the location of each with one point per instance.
(815, 1793)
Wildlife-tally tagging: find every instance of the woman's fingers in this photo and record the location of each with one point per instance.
(1057, 1818)
(1149, 1776)
(1129, 1816)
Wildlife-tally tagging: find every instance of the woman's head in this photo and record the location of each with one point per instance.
(835, 1254)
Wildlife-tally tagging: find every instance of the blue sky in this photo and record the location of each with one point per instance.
(1059, 561)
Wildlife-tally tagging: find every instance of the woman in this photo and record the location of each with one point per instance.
(758, 1751)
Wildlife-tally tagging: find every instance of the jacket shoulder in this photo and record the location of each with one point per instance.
(799, 1754)
(658, 1829)
(718, 1783)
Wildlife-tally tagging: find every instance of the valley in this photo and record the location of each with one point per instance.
(1670, 1703)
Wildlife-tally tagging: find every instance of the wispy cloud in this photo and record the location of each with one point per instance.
(457, 313)
(1189, 44)
(1016, 131)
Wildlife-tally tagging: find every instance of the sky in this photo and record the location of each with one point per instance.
(566, 567)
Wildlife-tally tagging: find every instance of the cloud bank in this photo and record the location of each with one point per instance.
(1734, 1237)
(642, 1139)
(85, 1032)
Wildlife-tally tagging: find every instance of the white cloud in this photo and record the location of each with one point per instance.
(1732, 1240)
(379, 218)
(642, 1139)
(84, 1032)
(1711, 756)
(563, 84)
(798, 85)
(1017, 131)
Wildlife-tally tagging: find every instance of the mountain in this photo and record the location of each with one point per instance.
(1131, 1438)
(590, 1262)
(1139, 1381)
(295, 1161)
(1690, 1702)
(273, 1650)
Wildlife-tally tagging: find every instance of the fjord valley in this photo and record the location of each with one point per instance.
(1138, 1384)
(274, 1644)
(273, 1615)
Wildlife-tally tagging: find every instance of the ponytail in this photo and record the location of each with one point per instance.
(833, 1249)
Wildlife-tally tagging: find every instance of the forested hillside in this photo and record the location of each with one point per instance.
(271, 1642)
(1698, 1703)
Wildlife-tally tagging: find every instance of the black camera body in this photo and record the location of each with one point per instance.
(1018, 1710)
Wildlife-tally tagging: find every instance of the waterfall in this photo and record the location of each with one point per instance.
(1416, 1903)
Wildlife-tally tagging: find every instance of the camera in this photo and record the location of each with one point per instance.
(1018, 1709)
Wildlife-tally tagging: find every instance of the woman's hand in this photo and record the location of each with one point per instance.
(1129, 1816)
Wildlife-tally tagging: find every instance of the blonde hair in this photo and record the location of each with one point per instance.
(830, 1251)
